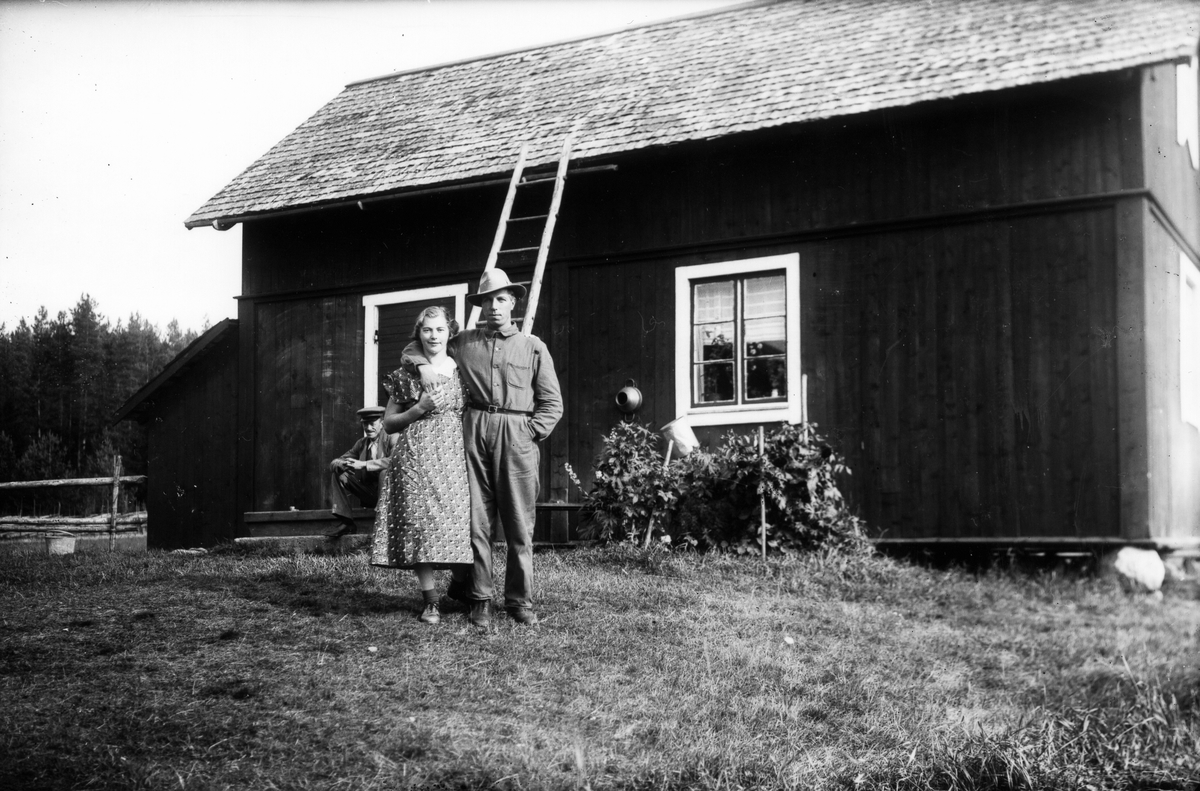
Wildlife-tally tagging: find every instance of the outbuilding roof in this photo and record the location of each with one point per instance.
(139, 404)
(734, 70)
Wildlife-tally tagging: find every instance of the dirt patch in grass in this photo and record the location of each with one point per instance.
(647, 671)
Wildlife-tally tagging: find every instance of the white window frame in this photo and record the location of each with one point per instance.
(371, 304)
(724, 415)
(1189, 341)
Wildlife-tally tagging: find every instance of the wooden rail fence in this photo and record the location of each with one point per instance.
(111, 523)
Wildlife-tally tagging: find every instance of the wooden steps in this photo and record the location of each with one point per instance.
(282, 524)
(312, 527)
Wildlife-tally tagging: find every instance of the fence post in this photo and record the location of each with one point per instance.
(116, 502)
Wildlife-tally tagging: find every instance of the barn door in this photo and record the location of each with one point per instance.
(388, 322)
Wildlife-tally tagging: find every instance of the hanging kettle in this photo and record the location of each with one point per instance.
(629, 398)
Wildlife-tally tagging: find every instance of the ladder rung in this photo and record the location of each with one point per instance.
(518, 250)
(530, 217)
(539, 180)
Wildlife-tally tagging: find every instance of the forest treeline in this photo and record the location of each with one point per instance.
(61, 381)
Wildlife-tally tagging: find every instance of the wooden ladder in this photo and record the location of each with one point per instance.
(543, 249)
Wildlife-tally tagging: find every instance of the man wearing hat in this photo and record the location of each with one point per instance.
(357, 470)
(513, 403)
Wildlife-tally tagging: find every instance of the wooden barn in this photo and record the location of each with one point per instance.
(961, 236)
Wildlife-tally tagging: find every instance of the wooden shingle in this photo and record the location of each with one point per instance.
(736, 70)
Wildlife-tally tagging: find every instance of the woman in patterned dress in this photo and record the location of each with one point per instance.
(423, 518)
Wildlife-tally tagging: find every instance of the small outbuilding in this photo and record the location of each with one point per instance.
(190, 411)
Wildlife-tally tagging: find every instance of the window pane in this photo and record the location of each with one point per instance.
(766, 336)
(712, 302)
(714, 342)
(765, 296)
(713, 382)
(766, 378)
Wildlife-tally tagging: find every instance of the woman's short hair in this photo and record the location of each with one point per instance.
(433, 311)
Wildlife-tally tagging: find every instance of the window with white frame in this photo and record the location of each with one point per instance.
(737, 341)
(387, 323)
(1189, 340)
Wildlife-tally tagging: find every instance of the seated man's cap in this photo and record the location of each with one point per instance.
(494, 280)
(370, 413)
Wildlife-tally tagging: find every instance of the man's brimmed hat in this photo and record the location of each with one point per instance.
(494, 280)
(370, 413)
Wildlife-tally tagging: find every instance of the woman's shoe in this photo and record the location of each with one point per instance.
(430, 615)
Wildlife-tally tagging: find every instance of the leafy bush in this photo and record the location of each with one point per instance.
(713, 499)
(628, 487)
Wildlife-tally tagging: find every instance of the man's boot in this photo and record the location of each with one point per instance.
(525, 616)
(345, 528)
(479, 615)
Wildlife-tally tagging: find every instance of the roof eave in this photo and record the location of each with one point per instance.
(225, 222)
(137, 403)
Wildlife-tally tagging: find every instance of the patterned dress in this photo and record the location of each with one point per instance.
(424, 509)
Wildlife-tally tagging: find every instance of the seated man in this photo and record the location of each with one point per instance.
(357, 470)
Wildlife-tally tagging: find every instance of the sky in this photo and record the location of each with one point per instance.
(118, 119)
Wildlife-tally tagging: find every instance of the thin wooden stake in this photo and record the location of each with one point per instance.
(116, 502)
(762, 495)
(650, 527)
(804, 399)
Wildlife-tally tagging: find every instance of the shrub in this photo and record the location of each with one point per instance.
(628, 487)
(712, 499)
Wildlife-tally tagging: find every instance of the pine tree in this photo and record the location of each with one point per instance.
(61, 381)
(86, 394)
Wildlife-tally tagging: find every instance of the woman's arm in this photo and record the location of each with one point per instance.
(396, 420)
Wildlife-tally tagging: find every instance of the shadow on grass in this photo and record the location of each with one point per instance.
(305, 594)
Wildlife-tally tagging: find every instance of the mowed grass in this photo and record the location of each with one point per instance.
(272, 671)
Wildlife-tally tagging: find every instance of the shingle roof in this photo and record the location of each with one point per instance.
(734, 70)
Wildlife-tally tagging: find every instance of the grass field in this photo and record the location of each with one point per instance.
(271, 671)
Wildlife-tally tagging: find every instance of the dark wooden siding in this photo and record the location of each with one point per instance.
(958, 296)
(619, 325)
(410, 243)
(308, 385)
(1071, 139)
(967, 372)
(193, 450)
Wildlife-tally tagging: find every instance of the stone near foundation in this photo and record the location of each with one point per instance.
(1138, 570)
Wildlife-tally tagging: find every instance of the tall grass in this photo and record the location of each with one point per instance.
(649, 670)
(1135, 733)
